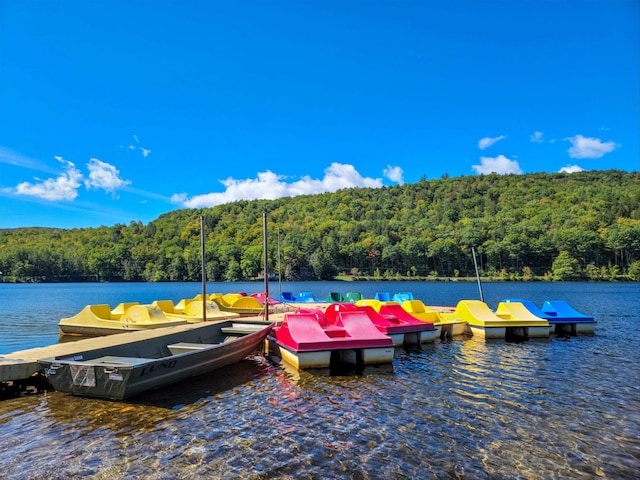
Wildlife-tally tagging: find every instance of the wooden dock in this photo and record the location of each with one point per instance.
(23, 364)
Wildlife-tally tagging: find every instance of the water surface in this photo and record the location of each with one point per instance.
(559, 408)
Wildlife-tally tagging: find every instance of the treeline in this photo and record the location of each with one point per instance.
(583, 225)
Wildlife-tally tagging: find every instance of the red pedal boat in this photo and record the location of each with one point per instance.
(309, 339)
(402, 328)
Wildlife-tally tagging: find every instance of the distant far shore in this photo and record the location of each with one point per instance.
(344, 278)
(489, 278)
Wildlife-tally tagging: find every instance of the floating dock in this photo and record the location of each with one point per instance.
(21, 365)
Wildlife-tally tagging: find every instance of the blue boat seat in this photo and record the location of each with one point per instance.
(383, 296)
(305, 297)
(563, 309)
(287, 297)
(402, 297)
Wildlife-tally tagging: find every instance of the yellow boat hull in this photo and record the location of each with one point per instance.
(482, 322)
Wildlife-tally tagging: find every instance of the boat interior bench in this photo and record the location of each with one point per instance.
(241, 329)
(186, 347)
(113, 360)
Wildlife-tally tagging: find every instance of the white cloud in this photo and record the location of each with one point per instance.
(104, 175)
(136, 146)
(269, 186)
(18, 160)
(500, 165)
(571, 169)
(536, 137)
(145, 151)
(486, 142)
(395, 174)
(63, 187)
(179, 198)
(589, 147)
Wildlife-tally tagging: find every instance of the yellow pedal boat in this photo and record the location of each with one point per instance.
(451, 326)
(506, 322)
(95, 320)
(237, 303)
(190, 310)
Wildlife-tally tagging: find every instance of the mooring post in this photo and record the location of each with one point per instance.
(266, 266)
(475, 264)
(204, 271)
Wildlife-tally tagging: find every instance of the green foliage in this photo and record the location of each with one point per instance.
(527, 274)
(593, 273)
(561, 226)
(565, 267)
(634, 271)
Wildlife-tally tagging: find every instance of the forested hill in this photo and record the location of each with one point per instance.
(562, 226)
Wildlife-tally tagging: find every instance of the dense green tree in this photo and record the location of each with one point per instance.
(565, 267)
(518, 224)
(634, 271)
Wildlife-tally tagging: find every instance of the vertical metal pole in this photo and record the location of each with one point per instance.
(475, 264)
(204, 271)
(266, 266)
(279, 266)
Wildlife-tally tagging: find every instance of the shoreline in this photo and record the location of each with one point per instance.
(365, 278)
(362, 278)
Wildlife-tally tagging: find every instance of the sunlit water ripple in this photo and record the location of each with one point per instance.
(463, 409)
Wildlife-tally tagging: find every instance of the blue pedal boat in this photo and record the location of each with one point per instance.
(562, 317)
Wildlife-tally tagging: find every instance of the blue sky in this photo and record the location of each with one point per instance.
(119, 111)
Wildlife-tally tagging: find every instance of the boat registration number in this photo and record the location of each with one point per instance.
(83, 375)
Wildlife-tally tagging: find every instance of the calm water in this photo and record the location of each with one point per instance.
(464, 409)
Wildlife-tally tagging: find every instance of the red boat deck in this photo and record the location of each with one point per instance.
(310, 331)
(390, 323)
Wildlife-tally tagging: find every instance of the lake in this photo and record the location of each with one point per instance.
(466, 408)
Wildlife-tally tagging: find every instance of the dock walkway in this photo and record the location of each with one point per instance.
(23, 364)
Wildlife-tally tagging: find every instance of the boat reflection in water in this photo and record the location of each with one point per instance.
(550, 408)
